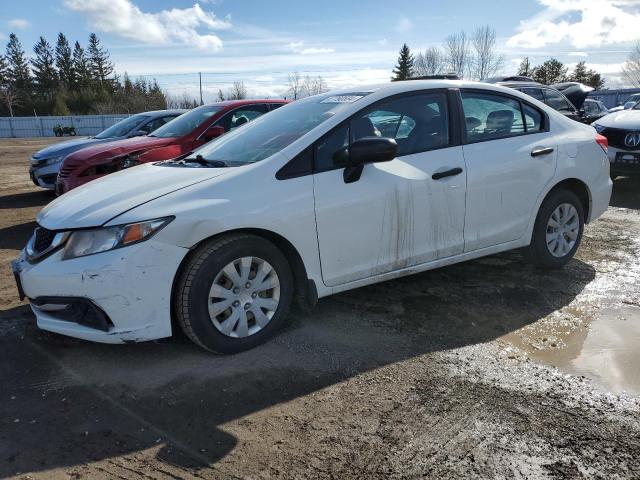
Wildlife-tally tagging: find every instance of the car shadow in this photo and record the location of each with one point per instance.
(15, 237)
(626, 193)
(27, 199)
(67, 402)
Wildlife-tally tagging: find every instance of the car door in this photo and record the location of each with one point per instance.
(397, 214)
(510, 157)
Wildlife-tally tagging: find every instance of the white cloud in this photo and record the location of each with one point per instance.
(175, 26)
(578, 54)
(20, 23)
(298, 47)
(580, 23)
(404, 25)
(383, 42)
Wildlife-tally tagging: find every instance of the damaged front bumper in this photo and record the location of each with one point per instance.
(119, 296)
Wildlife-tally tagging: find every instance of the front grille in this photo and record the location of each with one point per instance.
(43, 239)
(616, 137)
(65, 171)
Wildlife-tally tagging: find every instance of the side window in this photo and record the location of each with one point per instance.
(416, 122)
(556, 101)
(274, 106)
(491, 116)
(240, 116)
(591, 107)
(532, 118)
(534, 92)
(331, 150)
(155, 124)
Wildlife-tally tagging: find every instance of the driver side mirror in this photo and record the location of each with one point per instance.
(368, 150)
(372, 150)
(213, 132)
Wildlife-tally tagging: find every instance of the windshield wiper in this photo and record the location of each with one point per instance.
(203, 161)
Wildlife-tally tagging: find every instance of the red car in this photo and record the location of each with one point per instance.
(177, 137)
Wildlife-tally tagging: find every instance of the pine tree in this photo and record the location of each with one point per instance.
(551, 71)
(525, 69)
(585, 75)
(44, 71)
(64, 62)
(99, 63)
(404, 69)
(80, 67)
(19, 74)
(4, 71)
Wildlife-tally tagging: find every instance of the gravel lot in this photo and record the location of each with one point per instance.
(488, 369)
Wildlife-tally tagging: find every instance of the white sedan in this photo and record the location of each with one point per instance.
(326, 194)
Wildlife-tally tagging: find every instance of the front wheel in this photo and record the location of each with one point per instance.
(558, 230)
(234, 293)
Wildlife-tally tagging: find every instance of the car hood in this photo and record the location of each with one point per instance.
(99, 153)
(624, 119)
(574, 91)
(70, 146)
(97, 202)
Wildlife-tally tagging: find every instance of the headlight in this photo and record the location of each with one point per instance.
(54, 160)
(599, 128)
(96, 240)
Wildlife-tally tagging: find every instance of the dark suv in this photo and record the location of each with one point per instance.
(567, 97)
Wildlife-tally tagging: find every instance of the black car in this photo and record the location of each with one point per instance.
(567, 97)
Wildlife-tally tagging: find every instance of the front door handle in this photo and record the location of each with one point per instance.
(541, 151)
(448, 173)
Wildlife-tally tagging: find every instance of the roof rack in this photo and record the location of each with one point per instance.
(444, 76)
(511, 78)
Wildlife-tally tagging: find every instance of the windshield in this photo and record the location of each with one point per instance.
(272, 132)
(187, 122)
(123, 127)
(636, 106)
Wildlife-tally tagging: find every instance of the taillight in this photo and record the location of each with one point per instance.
(603, 142)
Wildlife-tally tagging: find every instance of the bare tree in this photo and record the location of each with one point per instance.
(10, 98)
(183, 101)
(238, 91)
(221, 95)
(457, 53)
(486, 61)
(429, 62)
(313, 86)
(631, 68)
(295, 85)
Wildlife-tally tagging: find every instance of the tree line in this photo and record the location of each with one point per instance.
(476, 57)
(61, 80)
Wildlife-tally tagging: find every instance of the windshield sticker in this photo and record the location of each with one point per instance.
(349, 98)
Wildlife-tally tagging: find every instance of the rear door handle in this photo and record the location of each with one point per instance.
(541, 151)
(448, 173)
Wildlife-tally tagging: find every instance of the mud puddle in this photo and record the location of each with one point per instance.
(604, 349)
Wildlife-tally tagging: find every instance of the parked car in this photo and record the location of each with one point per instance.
(316, 198)
(592, 110)
(45, 164)
(176, 138)
(622, 130)
(567, 97)
(628, 104)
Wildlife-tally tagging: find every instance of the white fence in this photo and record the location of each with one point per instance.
(85, 125)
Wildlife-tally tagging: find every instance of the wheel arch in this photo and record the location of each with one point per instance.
(578, 187)
(305, 291)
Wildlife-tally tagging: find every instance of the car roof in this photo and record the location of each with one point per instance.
(253, 101)
(160, 113)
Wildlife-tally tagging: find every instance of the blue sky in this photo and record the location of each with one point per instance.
(347, 42)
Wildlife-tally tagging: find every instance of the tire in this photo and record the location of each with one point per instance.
(541, 252)
(199, 313)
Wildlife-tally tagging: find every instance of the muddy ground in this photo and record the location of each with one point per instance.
(448, 374)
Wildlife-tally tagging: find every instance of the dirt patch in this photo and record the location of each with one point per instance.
(438, 375)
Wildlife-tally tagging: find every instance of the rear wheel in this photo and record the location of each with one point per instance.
(558, 230)
(234, 293)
